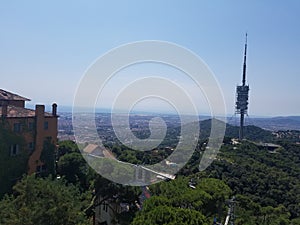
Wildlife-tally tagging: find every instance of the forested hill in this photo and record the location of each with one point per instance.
(275, 123)
(266, 183)
(252, 133)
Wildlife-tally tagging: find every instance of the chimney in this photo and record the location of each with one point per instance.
(39, 110)
(4, 110)
(54, 109)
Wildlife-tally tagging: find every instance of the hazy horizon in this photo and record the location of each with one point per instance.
(46, 47)
(69, 109)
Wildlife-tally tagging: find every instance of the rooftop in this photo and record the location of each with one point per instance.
(97, 150)
(5, 95)
(14, 111)
(90, 148)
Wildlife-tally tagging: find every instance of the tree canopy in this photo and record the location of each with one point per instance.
(37, 201)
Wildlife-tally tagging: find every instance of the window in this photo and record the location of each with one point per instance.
(46, 125)
(17, 127)
(30, 126)
(14, 149)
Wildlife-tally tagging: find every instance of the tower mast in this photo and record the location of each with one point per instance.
(244, 65)
(242, 96)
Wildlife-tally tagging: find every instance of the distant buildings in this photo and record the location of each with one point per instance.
(37, 128)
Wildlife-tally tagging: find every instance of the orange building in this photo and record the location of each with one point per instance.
(37, 127)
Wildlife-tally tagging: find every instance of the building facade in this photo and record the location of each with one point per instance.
(37, 128)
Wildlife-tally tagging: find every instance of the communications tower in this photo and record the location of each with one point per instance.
(242, 95)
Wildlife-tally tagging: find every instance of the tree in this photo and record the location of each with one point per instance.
(67, 147)
(12, 167)
(218, 191)
(184, 200)
(106, 190)
(37, 201)
(74, 168)
(163, 214)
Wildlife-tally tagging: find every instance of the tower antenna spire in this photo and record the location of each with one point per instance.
(244, 65)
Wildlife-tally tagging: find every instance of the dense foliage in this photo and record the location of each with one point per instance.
(43, 201)
(265, 182)
(176, 202)
(72, 166)
(12, 167)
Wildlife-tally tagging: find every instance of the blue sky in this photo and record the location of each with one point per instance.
(47, 46)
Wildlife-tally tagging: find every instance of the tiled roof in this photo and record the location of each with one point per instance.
(14, 111)
(5, 95)
(90, 148)
(97, 150)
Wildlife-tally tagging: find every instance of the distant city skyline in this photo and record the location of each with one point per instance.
(47, 46)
